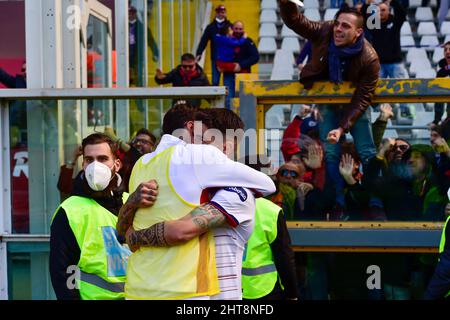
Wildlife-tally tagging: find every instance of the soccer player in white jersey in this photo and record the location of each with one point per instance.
(229, 213)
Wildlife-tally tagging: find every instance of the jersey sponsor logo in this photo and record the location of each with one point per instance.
(239, 191)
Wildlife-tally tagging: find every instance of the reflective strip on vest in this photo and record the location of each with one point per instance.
(95, 280)
(260, 270)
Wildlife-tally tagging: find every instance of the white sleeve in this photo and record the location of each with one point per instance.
(236, 203)
(213, 169)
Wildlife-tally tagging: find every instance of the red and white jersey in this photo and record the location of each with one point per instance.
(238, 205)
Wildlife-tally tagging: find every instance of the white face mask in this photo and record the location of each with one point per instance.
(98, 175)
(220, 20)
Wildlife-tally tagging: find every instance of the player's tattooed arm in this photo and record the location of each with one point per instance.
(170, 233)
(143, 197)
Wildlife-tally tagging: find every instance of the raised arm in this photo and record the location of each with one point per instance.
(7, 79)
(298, 22)
(399, 13)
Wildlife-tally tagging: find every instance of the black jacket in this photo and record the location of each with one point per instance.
(208, 35)
(439, 284)
(444, 70)
(64, 249)
(284, 259)
(247, 55)
(17, 82)
(176, 79)
(386, 40)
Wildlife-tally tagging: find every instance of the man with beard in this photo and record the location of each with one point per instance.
(245, 55)
(86, 259)
(339, 53)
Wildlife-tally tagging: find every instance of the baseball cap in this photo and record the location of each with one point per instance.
(220, 7)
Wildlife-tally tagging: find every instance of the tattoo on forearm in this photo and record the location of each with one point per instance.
(125, 219)
(152, 236)
(208, 216)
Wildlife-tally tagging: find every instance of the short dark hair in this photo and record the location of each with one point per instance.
(187, 57)
(350, 148)
(147, 133)
(405, 141)
(446, 44)
(223, 119)
(182, 112)
(353, 11)
(98, 138)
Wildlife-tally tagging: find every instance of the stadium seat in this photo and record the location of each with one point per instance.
(406, 29)
(424, 14)
(282, 74)
(268, 30)
(286, 32)
(418, 107)
(268, 15)
(429, 41)
(312, 14)
(267, 45)
(438, 55)
(426, 74)
(426, 29)
(283, 58)
(407, 41)
(415, 54)
(445, 28)
(269, 4)
(283, 65)
(330, 13)
(291, 43)
(390, 133)
(422, 119)
(417, 65)
(415, 3)
(273, 121)
(311, 4)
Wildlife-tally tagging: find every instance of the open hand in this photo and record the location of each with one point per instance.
(315, 156)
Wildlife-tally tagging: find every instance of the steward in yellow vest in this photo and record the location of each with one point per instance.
(86, 259)
(439, 286)
(268, 268)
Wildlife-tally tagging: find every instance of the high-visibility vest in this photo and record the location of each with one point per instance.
(442, 244)
(259, 274)
(177, 272)
(103, 260)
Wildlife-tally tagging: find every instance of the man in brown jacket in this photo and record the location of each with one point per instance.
(339, 53)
